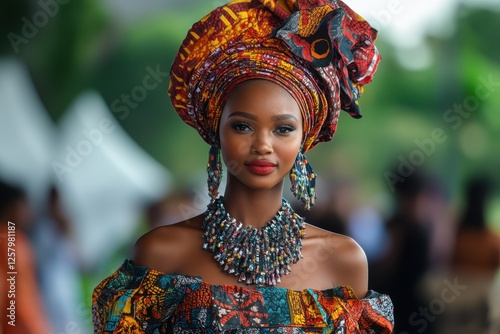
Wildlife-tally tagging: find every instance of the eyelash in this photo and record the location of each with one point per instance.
(282, 129)
(287, 128)
(238, 126)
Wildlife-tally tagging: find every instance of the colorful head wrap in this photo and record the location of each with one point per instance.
(320, 51)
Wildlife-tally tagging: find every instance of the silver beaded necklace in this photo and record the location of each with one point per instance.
(255, 256)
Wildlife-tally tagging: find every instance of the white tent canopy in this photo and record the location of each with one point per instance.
(27, 134)
(104, 177)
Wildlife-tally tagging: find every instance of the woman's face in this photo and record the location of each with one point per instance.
(260, 133)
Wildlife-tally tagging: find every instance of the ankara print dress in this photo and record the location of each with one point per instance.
(135, 299)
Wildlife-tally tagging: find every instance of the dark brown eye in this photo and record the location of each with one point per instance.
(285, 129)
(241, 126)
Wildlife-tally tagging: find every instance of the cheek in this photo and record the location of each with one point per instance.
(289, 152)
(232, 145)
(233, 151)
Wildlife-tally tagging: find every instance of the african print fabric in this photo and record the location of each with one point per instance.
(136, 299)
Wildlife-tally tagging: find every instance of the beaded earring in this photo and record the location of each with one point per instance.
(303, 180)
(214, 171)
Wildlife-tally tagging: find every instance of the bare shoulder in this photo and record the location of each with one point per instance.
(344, 249)
(164, 248)
(346, 260)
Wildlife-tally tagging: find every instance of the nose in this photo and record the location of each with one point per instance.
(262, 143)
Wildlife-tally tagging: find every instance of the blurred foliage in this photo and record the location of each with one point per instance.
(84, 47)
(60, 49)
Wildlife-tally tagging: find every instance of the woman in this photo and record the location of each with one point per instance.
(262, 82)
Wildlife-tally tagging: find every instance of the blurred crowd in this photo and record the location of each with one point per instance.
(439, 261)
(43, 266)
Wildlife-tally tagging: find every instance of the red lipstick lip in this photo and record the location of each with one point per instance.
(260, 163)
(261, 167)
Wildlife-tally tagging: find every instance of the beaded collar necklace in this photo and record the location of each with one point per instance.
(255, 256)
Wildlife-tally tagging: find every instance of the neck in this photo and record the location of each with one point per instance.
(249, 206)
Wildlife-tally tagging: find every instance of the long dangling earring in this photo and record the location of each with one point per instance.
(303, 180)
(214, 170)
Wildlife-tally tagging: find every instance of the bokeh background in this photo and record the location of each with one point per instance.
(84, 111)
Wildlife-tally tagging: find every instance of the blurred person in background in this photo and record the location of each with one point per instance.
(475, 261)
(476, 249)
(29, 314)
(434, 209)
(261, 94)
(58, 265)
(399, 271)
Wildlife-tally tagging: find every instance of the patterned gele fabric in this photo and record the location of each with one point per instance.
(320, 51)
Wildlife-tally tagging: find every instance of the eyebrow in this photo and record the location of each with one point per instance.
(252, 117)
